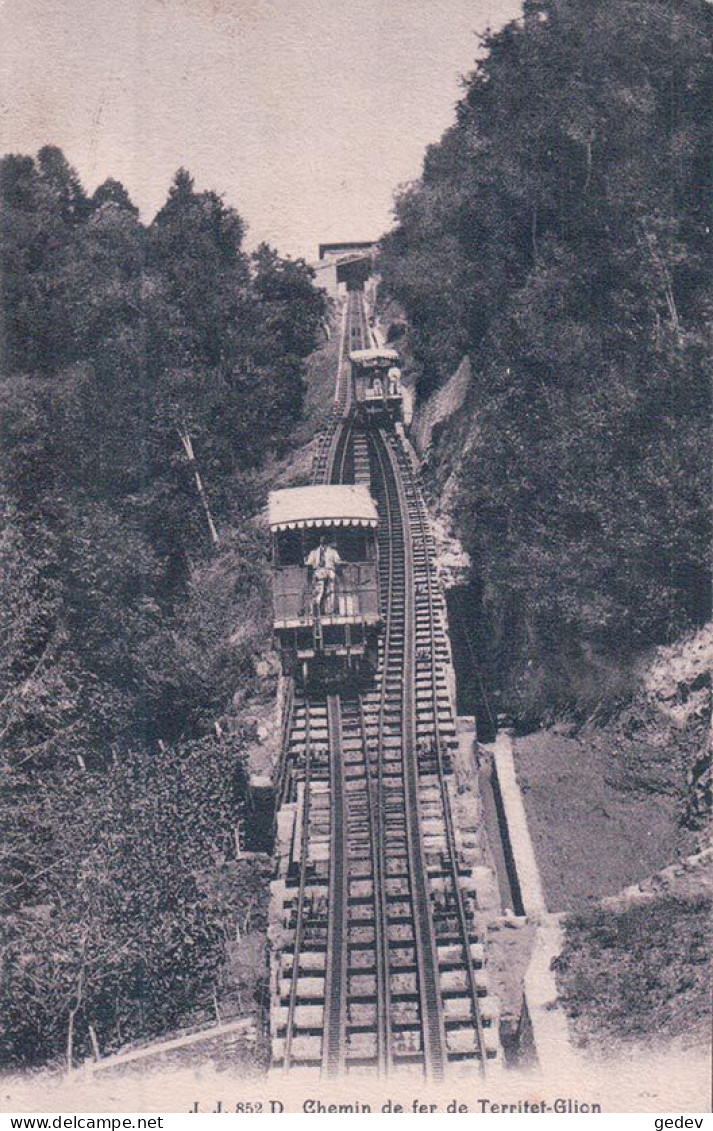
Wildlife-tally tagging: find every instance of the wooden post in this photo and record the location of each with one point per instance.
(72, 1014)
(95, 1042)
(70, 1040)
(190, 456)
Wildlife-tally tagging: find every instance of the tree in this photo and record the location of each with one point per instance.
(555, 236)
(113, 192)
(129, 634)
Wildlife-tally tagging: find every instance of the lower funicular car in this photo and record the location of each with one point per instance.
(325, 578)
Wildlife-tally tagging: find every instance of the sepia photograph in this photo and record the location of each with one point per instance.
(355, 558)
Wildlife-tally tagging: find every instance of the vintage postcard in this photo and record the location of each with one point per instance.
(355, 679)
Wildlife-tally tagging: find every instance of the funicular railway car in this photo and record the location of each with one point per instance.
(325, 579)
(376, 382)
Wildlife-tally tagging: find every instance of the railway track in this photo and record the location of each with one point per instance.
(382, 964)
(332, 436)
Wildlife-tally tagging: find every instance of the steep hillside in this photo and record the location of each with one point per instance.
(546, 279)
(609, 803)
(149, 375)
(555, 239)
(639, 975)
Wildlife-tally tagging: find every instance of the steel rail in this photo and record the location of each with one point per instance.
(399, 643)
(336, 982)
(384, 1035)
(288, 704)
(335, 988)
(445, 799)
(387, 1053)
(299, 926)
(333, 442)
(384, 1051)
(432, 1026)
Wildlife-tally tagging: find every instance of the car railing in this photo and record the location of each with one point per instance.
(355, 592)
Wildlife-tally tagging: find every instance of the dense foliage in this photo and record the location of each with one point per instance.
(559, 236)
(133, 358)
(638, 975)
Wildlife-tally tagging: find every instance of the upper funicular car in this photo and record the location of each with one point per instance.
(376, 382)
(325, 577)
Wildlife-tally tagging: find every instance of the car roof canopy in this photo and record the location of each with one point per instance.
(296, 508)
(373, 355)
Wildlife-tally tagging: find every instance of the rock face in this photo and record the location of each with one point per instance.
(678, 681)
(443, 404)
(663, 730)
(453, 561)
(677, 685)
(687, 879)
